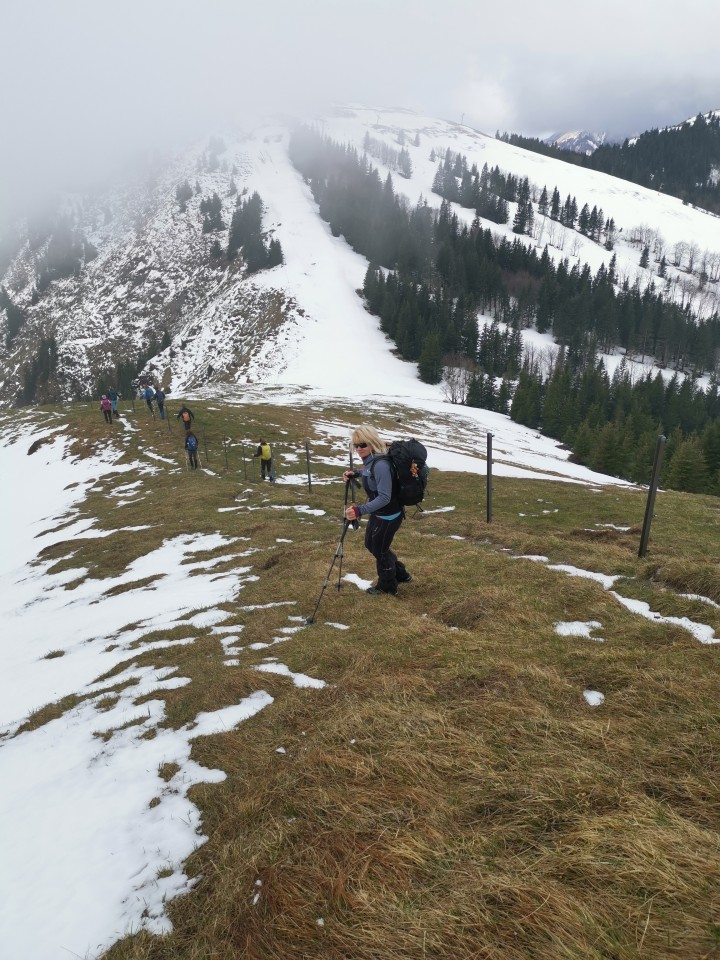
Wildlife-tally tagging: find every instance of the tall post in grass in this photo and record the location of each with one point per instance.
(307, 457)
(650, 505)
(225, 452)
(488, 491)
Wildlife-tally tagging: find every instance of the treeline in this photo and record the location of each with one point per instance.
(245, 234)
(38, 376)
(490, 191)
(66, 253)
(15, 316)
(681, 161)
(127, 371)
(612, 423)
(398, 160)
(443, 273)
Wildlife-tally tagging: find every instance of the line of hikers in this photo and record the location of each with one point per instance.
(387, 490)
(108, 405)
(157, 395)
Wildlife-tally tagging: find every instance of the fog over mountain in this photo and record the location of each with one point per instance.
(105, 85)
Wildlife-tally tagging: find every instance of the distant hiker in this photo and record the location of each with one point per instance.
(191, 445)
(113, 397)
(264, 451)
(383, 509)
(106, 408)
(186, 415)
(149, 396)
(160, 400)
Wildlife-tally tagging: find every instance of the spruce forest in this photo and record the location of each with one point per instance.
(431, 276)
(680, 160)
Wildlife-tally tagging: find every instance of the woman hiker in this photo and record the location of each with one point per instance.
(383, 510)
(106, 408)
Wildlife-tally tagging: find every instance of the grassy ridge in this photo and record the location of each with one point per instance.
(450, 793)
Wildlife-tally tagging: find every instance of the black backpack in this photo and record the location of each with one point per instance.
(408, 459)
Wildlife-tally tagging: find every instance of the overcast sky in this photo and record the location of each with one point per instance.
(86, 84)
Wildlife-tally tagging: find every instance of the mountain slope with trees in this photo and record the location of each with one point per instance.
(683, 161)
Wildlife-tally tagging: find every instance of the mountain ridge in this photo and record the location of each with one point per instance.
(154, 276)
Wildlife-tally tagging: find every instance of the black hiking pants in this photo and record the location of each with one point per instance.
(378, 539)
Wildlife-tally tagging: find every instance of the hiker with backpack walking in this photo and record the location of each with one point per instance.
(191, 446)
(160, 401)
(106, 408)
(187, 416)
(264, 451)
(113, 397)
(149, 396)
(383, 509)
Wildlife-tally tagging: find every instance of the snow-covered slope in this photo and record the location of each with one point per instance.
(154, 271)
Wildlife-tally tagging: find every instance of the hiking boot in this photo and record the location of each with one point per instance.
(406, 579)
(375, 591)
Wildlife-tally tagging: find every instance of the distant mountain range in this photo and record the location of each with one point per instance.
(577, 141)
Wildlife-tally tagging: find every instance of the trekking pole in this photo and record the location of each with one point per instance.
(338, 554)
(348, 484)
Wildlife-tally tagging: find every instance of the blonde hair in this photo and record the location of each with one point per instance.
(367, 434)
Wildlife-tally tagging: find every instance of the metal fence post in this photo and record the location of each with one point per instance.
(489, 488)
(307, 456)
(650, 505)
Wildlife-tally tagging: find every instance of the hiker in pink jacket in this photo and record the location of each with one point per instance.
(106, 408)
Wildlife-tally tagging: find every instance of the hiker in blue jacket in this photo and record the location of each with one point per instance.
(113, 396)
(149, 396)
(383, 510)
(160, 401)
(191, 446)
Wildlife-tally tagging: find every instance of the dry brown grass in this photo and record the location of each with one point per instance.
(450, 794)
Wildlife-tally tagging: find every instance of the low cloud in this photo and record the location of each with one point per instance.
(89, 87)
